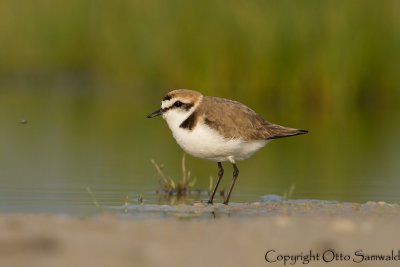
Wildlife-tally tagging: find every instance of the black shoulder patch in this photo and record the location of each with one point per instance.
(190, 122)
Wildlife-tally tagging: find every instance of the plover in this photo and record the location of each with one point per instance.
(217, 129)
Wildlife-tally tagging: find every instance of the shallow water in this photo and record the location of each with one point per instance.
(124, 202)
(55, 146)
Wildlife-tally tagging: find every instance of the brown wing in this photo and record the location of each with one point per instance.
(235, 120)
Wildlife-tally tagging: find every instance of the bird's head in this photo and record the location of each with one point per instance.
(177, 105)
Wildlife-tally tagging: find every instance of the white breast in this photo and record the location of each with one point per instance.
(206, 143)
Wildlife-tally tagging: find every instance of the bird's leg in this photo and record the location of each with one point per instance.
(220, 174)
(235, 175)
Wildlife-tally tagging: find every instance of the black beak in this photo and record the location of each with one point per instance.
(155, 113)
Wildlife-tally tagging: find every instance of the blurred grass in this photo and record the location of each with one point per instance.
(326, 56)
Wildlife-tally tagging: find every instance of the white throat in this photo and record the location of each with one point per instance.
(174, 118)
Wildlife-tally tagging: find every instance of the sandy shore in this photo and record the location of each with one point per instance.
(354, 232)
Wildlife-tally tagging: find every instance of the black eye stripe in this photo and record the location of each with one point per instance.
(185, 106)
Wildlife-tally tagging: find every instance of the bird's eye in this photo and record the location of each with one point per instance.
(178, 104)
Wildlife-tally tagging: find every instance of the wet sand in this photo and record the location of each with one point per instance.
(201, 235)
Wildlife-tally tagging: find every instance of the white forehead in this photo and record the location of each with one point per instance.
(167, 103)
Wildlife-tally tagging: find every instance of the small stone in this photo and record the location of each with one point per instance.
(271, 198)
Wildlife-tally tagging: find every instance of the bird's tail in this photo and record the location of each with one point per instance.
(278, 131)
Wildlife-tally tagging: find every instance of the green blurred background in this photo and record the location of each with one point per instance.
(84, 74)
